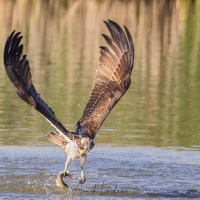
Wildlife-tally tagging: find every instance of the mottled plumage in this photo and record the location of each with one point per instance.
(112, 81)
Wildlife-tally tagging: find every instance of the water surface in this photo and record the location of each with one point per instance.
(112, 173)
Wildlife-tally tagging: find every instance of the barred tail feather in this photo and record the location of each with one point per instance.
(57, 139)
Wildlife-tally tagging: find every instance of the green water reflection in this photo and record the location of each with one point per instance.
(61, 38)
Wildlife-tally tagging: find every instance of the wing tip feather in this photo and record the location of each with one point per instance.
(119, 43)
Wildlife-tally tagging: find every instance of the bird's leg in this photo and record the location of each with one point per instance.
(66, 171)
(82, 179)
(59, 180)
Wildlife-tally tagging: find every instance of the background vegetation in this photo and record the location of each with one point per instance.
(61, 39)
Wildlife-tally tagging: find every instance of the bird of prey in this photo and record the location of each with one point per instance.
(112, 81)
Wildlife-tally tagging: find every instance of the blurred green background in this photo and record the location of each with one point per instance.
(62, 39)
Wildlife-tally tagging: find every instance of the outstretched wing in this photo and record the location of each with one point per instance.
(18, 70)
(112, 79)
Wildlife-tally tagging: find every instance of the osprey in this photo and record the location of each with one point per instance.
(112, 81)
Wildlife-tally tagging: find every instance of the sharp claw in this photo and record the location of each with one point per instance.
(82, 180)
(69, 175)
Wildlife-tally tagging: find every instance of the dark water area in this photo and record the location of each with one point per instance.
(148, 147)
(112, 173)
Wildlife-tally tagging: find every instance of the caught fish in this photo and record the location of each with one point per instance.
(59, 181)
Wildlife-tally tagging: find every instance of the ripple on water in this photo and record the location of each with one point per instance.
(111, 173)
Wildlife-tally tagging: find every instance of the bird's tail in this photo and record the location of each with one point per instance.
(57, 139)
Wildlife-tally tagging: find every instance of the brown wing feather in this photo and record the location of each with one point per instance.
(112, 79)
(57, 139)
(18, 70)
